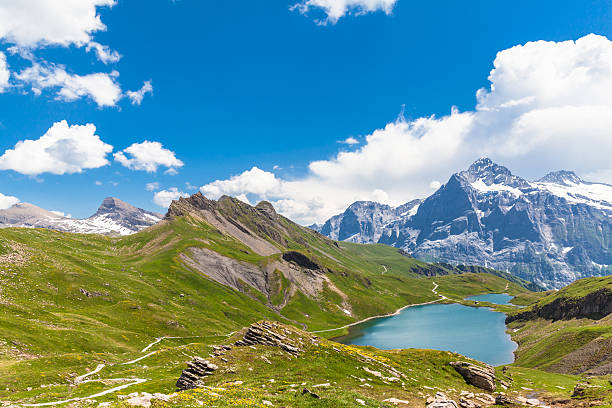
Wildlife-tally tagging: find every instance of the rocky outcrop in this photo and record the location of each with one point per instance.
(268, 334)
(195, 371)
(481, 377)
(300, 260)
(595, 305)
(441, 401)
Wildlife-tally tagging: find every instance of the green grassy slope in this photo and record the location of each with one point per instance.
(71, 302)
(564, 332)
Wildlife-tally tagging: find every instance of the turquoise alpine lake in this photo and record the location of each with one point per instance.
(495, 298)
(476, 332)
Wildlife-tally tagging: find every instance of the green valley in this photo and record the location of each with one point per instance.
(89, 319)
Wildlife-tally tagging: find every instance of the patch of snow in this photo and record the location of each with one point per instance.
(593, 194)
(495, 188)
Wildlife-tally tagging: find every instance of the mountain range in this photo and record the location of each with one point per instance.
(551, 231)
(114, 217)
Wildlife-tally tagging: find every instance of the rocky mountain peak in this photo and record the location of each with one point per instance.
(112, 204)
(113, 217)
(563, 177)
(185, 205)
(490, 173)
(267, 208)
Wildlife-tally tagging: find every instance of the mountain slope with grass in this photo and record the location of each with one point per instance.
(91, 315)
(569, 331)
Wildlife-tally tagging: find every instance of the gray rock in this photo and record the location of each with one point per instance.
(481, 377)
(264, 333)
(442, 401)
(196, 369)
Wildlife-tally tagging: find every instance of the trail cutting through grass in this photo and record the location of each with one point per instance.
(133, 381)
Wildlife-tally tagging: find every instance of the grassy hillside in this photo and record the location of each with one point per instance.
(564, 331)
(139, 307)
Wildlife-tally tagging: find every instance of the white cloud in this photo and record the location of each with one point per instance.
(349, 141)
(435, 184)
(4, 73)
(137, 96)
(102, 88)
(165, 197)
(28, 25)
(152, 186)
(35, 23)
(62, 149)
(104, 53)
(254, 181)
(7, 201)
(548, 107)
(98, 183)
(336, 9)
(148, 156)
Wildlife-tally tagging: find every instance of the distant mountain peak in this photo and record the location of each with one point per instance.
(485, 167)
(563, 177)
(487, 171)
(111, 204)
(113, 217)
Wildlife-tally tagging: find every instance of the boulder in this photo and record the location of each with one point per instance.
(442, 401)
(266, 333)
(481, 377)
(196, 369)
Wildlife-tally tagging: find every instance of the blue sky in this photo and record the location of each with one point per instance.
(244, 84)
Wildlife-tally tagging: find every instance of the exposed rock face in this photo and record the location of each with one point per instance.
(268, 334)
(301, 260)
(481, 377)
(442, 401)
(595, 305)
(195, 371)
(114, 217)
(363, 221)
(551, 231)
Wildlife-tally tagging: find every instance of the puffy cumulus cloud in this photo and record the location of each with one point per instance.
(336, 9)
(4, 73)
(34, 23)
(137, 96)
(148, 156)
(548, 107)
(28, 25)
(7, 201)
(254, 181)
(165, 197)
(62, 149)
(102, 88)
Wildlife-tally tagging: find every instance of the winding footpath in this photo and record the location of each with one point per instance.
(129, 381)
(398, 311)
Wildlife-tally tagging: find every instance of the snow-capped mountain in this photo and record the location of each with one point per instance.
(363, 221)
(114, 217)
(551, 231)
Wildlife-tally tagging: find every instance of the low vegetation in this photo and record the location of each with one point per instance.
(135, 309)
